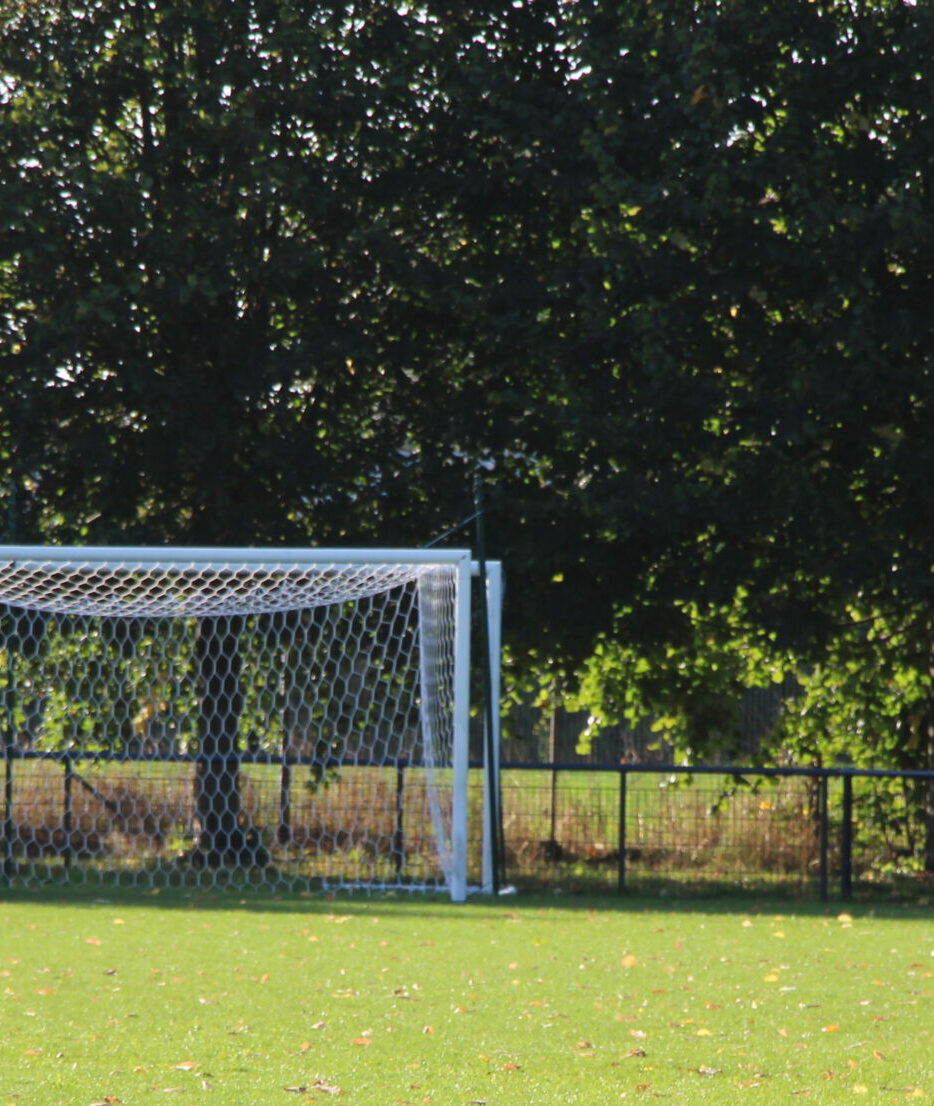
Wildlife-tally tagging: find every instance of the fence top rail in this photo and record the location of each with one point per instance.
(721, 770)
(276, 758)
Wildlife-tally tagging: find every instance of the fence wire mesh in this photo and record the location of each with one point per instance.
(93, 817)
(678, 832)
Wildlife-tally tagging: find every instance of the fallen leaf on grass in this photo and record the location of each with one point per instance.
(361, 1041)
(324, 1087)
(186, 1065)
(708, 1071)
(629, 961)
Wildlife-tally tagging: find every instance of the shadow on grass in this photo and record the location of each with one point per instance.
(234, 892)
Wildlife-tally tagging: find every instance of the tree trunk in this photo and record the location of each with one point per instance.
(223, 839)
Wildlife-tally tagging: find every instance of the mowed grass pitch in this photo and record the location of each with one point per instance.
(220, 1001)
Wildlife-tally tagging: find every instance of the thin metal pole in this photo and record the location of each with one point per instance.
(461, 755)
(553, 758)
(494, 833)
(823, 832)
(67, 819)
(492, 790)
(285, 798)
(846, 840)
(398, 841)
(621, 860)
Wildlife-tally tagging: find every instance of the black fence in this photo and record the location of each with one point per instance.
(616, 829)
(668, 829)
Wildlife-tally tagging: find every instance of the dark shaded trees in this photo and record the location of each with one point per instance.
(288, 272)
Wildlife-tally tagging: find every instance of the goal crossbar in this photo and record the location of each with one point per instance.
(68, 594)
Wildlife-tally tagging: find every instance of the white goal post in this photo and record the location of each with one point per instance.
(284, 716)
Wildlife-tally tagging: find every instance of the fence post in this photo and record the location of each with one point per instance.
(822, 834)
(8, 828)
(284, 833)
(8, 747)
(67, 817)
(621, 859)
(398, 840)
(846, 839)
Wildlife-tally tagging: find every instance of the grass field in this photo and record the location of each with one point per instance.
(214, 1000)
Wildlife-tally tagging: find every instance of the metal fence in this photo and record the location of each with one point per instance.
(677, 831)
(621, 828)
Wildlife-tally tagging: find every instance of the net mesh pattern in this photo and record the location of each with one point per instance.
(138, 589)
(278, 722)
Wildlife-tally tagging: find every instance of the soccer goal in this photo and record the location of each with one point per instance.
(272, 716)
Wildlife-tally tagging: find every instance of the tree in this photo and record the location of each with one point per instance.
(240, 283)
(770, 171)
(663, 268)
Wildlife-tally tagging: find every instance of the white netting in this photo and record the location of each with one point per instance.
(129, 589)
(292, 721)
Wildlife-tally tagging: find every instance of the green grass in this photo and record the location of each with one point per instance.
(221, 1001)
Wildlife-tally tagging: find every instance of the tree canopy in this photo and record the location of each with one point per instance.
(286, 271)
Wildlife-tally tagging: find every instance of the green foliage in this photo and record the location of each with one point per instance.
(289, 271)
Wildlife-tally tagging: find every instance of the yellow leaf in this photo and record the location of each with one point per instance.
(629, 961)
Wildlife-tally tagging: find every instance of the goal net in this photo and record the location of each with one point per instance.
(296, 717)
